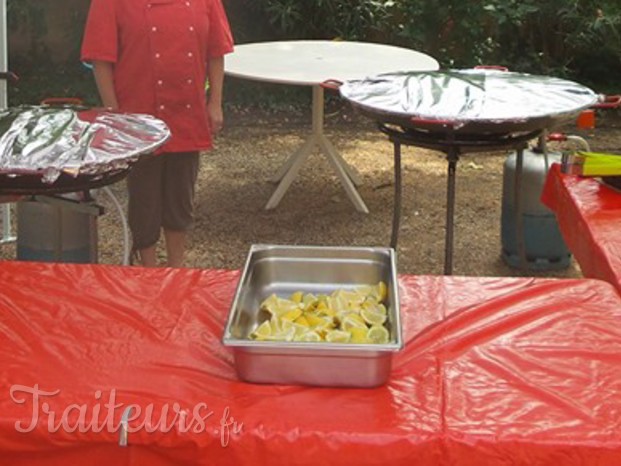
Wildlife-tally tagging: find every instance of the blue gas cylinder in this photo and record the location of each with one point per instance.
(544, 244)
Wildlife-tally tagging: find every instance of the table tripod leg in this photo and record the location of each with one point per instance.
(345, 180)
(352, 173)
(396, 213)
(289, 176)
(452, 157)
(285, 167)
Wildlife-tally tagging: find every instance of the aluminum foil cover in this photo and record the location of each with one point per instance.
(52, 140)
(468, 95)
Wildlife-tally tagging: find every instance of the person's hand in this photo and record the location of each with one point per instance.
(216, 118)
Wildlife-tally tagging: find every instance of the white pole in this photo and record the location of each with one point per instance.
(6, 208)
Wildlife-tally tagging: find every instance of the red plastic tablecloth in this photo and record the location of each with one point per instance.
(502, 371)
(589, 217)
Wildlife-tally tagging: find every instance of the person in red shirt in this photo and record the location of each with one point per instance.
(154, 57)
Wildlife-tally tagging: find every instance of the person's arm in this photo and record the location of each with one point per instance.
(104, 77)
(214, 100)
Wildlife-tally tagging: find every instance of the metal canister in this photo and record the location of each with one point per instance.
(58, 229)
(544, 245)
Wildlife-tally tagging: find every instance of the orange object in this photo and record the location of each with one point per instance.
(586, 119)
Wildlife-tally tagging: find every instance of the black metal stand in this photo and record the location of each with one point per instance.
(396, 211)
(519, 207)
(32, 184)
(453, 147)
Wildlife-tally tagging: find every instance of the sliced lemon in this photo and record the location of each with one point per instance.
(349, 299)
(270, 301)
(322, 306)
(297, 297)
(262, 331)
(382, 291)
(378, 334)
(325, 310)
(279, 306)
(314, 320)
(374, 315)
(352, 320)
(302, 320)
(309, 336)
(309, 301)
(291, 315)
(359, 335)
(299, 330)
(337, 303)
(287, 334)
(338, 336)
(345, 315)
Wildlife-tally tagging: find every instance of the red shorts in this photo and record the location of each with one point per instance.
(161, 195)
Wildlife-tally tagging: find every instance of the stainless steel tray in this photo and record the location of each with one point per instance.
(285, 269)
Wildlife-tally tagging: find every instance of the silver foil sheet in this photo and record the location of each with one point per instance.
(48, 141)
(468, 96)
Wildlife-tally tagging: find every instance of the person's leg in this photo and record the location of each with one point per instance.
(144, 185)
(180, 177)
(175, 247)
(148, 256)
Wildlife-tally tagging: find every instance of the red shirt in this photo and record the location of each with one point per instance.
(160, 50)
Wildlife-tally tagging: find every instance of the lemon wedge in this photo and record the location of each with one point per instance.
(352, 320)
(347, 315)
(378, 334)
(263, 331)
(297, 297)
(338, 336)
(309, 336)
(292, 315)
(374, 315)
(359, 335)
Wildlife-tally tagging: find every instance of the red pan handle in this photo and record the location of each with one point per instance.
(491, 67)
(557, 137)
(610, 101)
(331, 84)
(427, 122)
(62, 101)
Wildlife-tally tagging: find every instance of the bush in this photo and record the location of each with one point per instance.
(576, 39)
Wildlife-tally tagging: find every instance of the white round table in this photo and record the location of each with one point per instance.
(310, 63)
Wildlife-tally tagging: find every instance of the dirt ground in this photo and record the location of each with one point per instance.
(234, 186)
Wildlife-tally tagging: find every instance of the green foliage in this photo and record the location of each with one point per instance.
(40, 76)
(445, 29)
(347, 19)
(29, 17)
(57, 80)
(577, 39)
